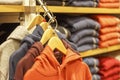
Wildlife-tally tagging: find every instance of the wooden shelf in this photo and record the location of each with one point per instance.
(11, 8)
(100, 51)
(61, 9)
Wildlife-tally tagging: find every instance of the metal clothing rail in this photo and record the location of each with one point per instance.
(47, 12)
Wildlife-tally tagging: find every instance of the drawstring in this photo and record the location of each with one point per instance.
(59, 72)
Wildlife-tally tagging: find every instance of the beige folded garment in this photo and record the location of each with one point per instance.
(11, 2)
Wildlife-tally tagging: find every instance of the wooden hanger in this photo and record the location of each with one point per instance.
(47, 35)
(36, 20)
(56, 43)
(45, 25)
(53, 41)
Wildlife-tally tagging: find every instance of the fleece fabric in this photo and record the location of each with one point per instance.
(8, 47)
(96, 77)
(88, 40)
(108, 1)
(110, 29)
(108, 62)
(27, 61)
(11, 2)
(111, 42)
(26, 43)
(86, 47)
(106, 20)
(46, 67)
(83, 3)
(110, 72)
(75, 37)
(109, 36)
(91, 61)
(109, 5)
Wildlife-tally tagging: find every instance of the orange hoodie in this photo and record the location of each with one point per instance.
(46, 67)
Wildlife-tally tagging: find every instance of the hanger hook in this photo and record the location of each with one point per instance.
(56, 26)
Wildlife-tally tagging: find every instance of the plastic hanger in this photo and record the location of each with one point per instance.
(36, 20)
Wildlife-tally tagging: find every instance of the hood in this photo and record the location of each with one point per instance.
(19, 33)
(50, 63)
(37, 48)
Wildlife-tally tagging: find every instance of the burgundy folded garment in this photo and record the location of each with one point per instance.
(103, 44)
(109, 36)
(106, 20)
(108, 1)
(113, 77)
(109, 5)
(110, 72)
(108, 62)
(110, 29)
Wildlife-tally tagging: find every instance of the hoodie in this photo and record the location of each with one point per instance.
(26, 43)
(8, 47)
(46, 67)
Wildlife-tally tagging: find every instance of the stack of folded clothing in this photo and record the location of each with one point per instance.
(109, 32)
(84, 32)
(54, 2)
(109, 68)
(11, 2)
(109, 3)
(82, 3)
(93, 65)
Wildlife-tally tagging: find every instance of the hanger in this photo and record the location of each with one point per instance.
(47, 35)
(53, 40)
(45, 25)
(36, 20)
(56, 43)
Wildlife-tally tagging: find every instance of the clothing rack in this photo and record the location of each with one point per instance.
(30, 11)
(47, 12)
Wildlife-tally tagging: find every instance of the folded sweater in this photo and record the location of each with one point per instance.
(96, 77)
(91, 61)
(76, 23)
(108, 1)
(110, 29)
(83, 3)
(75, 37)
(106, 20)
(108, 62)
(109, 36)
(108, 43)
(94, 70)
(110, 72)
(113, 77)
(11, 2)
(109, 5)
(88, 40)
(86, 47)
(85, 24)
